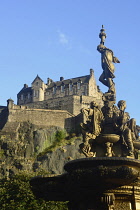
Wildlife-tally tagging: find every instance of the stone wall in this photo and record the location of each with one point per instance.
(3, 117)
(65, 103)
(72, 104)
(62, 112)
(42, 117)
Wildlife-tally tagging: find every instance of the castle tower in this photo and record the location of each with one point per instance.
(38, 89)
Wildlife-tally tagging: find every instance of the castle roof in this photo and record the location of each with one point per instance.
(82, 79)
(37, 77)
(25, 90)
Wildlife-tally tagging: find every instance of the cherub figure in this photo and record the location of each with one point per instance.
(124, 129)
(92, 127)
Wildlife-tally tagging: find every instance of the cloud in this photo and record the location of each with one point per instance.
(63, 39)
(66, 42)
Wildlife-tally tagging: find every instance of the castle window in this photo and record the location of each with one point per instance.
(85, 90)
(62, 88)
(66, 91)
(36, 93)
(21, 96)
(54, 90)
(74, 91)
(47, 105)
(70, 87)
(78, 85)
(28, 95)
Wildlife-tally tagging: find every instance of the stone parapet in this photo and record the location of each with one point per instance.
(41, 117)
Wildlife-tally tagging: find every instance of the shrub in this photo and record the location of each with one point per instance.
(60, 135)
(15, 193)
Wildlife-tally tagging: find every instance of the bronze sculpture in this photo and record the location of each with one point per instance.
(109, 126)
(107, 60)
(124, 129)
(91, 128)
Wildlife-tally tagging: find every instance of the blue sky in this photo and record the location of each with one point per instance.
(54, 38)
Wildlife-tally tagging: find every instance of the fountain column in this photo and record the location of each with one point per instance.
(105, 201)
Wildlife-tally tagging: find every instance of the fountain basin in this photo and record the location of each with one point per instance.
(102, 173)
(104, 138)
(87, 177)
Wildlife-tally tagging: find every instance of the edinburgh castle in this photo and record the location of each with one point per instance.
(52, 104)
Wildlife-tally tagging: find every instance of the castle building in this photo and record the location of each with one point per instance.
(70, 94)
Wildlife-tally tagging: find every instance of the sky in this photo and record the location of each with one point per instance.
(54, 38)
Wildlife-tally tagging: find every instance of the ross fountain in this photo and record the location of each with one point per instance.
(108, 177)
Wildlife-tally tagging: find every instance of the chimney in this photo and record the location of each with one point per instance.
(61, 78)
(91, 72)
(25, 86)
(49, 81)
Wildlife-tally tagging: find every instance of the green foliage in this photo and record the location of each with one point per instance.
(16, 194)
(50, 139)
(1, 153)
(60, 140)
(60, 135)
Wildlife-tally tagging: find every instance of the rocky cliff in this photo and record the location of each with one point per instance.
(31, 148)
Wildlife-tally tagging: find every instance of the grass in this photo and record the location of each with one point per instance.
(57, 144)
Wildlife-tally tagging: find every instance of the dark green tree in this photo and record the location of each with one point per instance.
(16, 194)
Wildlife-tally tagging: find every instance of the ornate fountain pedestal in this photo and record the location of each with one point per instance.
(92, 184)
(107, 140)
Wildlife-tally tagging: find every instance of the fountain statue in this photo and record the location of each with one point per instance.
(110, 126)
(108, 177)
(107, 60)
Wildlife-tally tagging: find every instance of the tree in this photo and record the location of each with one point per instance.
(15, 193)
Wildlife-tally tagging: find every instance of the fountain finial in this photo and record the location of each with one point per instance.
(102, 35)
